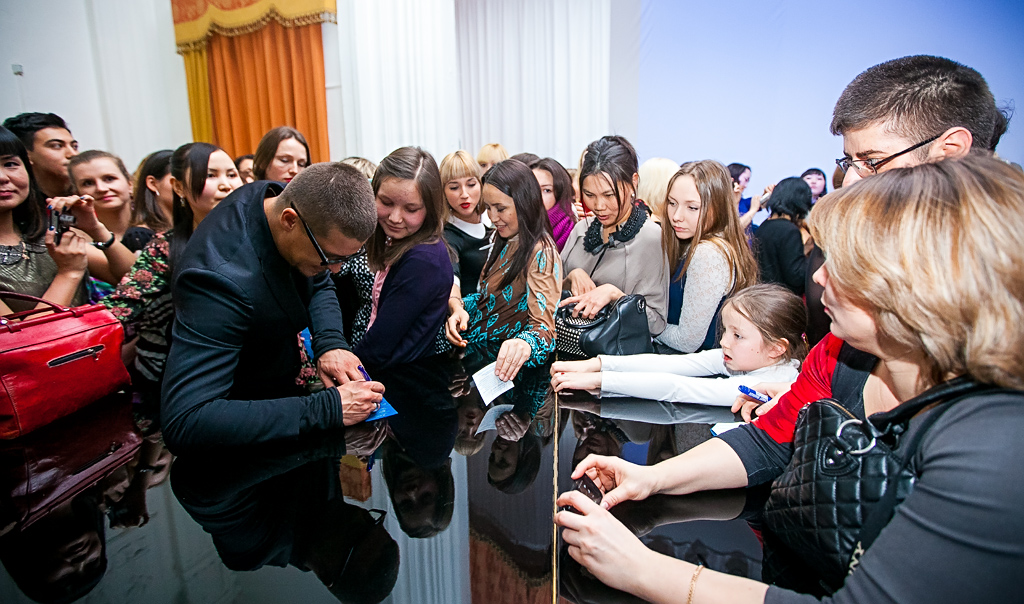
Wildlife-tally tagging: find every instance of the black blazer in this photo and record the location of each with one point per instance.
(239, 306)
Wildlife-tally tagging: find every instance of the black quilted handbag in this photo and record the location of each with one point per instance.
(843, 483)
(619, 328)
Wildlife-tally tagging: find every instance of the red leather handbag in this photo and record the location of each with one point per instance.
(53, 365)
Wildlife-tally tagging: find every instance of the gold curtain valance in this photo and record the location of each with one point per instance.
(196, 20)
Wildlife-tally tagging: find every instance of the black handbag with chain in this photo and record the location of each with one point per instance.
(844, 480)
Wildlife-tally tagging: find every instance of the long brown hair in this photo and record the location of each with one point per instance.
(718, 223)
(408, 163)
(267, 149)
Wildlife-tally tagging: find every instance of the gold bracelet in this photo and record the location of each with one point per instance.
(693, 583)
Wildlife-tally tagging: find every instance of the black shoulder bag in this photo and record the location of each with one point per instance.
(845, 479)
(619, 328)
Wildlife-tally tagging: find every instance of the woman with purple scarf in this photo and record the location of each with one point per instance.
(556, 189)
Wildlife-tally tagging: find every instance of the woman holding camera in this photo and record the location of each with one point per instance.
(32, 261)
(926, 303)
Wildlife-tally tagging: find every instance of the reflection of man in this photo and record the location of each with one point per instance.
(251, 278)
(284, 508)
(902, 113)
(50, 146)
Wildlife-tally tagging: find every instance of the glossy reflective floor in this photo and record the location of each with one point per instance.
(94, 508)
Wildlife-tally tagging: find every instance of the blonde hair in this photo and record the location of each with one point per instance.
(933, 253)
(718, 223)
(491, 153)
(458, 165)
(654, 176)
(362, 164)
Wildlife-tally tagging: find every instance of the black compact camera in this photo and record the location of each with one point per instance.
(588, 487)
(60, 222)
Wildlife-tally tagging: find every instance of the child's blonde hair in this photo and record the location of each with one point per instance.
(777, 313)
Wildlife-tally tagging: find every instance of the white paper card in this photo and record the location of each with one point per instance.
(488, 384)
(722, 428)
(492, 415)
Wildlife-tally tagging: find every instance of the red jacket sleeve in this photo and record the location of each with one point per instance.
(813, 383)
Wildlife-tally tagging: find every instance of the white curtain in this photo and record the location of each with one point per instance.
(534, 74)
(140, 78)
(393, 78)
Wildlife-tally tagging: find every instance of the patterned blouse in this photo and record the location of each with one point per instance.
(142, 302)
(525, 309)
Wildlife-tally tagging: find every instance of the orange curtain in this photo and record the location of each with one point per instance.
(268, 78)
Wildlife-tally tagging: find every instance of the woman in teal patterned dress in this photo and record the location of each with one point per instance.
(142, 301)
(521, 281)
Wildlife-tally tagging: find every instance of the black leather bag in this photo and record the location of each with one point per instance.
(841, 487)
(619, 328)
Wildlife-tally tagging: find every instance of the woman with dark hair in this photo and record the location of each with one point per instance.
(31, 262)
(244, 164)
(413, 273)
(522, 277)
(281, 154)
(778, 243)
(202, 175)
(740, 174)
(618, 250)
(818, 183)
(153, 197)
(558, 195)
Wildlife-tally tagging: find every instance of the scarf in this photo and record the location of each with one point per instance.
(593, 242)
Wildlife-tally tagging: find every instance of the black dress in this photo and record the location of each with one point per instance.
(470, 256)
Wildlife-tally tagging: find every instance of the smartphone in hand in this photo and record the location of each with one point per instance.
(584, 484)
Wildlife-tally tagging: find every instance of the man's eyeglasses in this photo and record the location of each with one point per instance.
(376, 519)
(324, 260)
(869, 167)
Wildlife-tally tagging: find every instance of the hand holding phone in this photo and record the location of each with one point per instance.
(584, 484)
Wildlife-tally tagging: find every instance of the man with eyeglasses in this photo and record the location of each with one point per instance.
(902, 113)
(913, 110)
(254, 275)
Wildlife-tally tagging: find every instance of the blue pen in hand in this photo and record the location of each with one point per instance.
(362, 370)
(754, 394)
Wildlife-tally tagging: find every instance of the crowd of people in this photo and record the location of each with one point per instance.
(215, 266)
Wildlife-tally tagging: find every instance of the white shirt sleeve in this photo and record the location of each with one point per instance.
(708, 278)
(684, 389)
(697, 364)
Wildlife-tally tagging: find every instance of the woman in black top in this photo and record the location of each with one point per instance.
(778, 242)
(464, 231)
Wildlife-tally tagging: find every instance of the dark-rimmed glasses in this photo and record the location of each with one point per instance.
(378, 517)
(324, 260)
(869, 167)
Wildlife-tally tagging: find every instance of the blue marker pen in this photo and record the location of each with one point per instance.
(754, 394)
(365, 375)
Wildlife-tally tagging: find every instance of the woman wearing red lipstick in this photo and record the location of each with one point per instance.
(413, 273)
(281, 155)
(464, 230)
(617, 251)
(30, 262)
(708, 254)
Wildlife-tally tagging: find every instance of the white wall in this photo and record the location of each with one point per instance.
(108, 67)
(755, 81)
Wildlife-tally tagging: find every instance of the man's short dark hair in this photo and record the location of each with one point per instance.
(919, 97)
(25, 125)
(333, 195)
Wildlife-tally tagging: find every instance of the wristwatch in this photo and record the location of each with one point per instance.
(104, 245)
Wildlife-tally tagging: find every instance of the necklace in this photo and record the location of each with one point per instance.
(12, 254)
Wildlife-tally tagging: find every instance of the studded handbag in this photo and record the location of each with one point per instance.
(619, 328)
